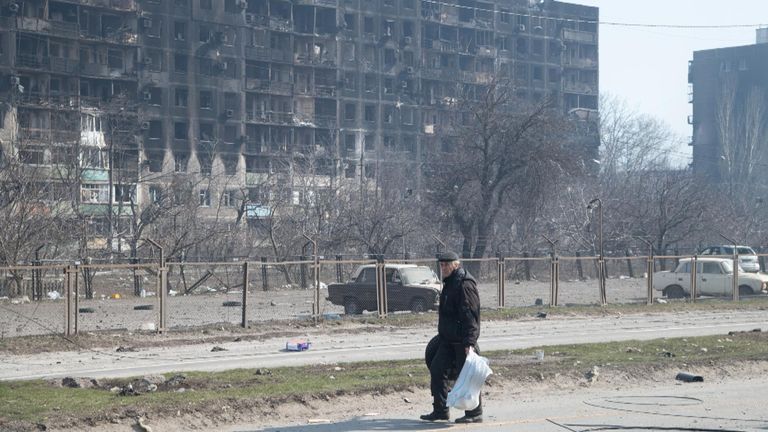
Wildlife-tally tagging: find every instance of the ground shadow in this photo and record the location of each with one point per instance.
(360, 424)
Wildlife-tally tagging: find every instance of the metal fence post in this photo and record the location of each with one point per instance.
(554, 275)
(527, 266)
(244, 322)
(649, 269)
(502, 282)
(339, 278)
(264, 283)
(694, 272)
(68, 320)
(77, 297)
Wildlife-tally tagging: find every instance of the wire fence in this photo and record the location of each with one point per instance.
(71, 298)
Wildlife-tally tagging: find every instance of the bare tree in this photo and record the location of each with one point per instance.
(506, 152)
(742, 130)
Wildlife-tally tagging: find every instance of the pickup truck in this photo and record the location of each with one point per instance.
(714, 277)
(409, 287)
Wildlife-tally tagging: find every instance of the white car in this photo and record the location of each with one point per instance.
(747, 257)
(714, 277)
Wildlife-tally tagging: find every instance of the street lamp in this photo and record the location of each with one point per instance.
(598, 204)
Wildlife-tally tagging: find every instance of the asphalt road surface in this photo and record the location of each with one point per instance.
(387, 344)
(714, 405)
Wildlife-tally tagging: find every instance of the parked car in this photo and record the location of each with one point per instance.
(409, 287)
(714, 277)
(747, 256)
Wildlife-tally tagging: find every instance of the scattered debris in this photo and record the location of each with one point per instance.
(592, 374)
(660, 300)
(140, 425)
(86, 310)
(20, 300)
(144, 307)
(371, 414)
(148, 326)
(53, 295)
(317, 421)
(121, 349)
(79, 382)
(633, 350)
(667, 354)
(297, 345)
(175, 380)
(218, 348)
(238, 339)
(689, 377)
(541, 315)
(263, 372)
(232, 303)
(406, 400)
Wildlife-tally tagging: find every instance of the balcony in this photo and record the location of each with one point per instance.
(326, 3)
(32, 61)
(580, 87)
(280, 24)
(583, 63)
(325, 91)
(257, 53)
(123, 5)
(54, 28)
(579, 36)
(64, 65)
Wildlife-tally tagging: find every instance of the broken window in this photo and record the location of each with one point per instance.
(368, 25)
(154, 96)
(180, 130)
(350, 111)
(370, 142)
(370, 83)
(181, 96)
(350, 21)
(124, 193)
(180, 159)
(350, 80)
(205, 197)
(206, 131)
(406, 113)
(180, 30)
(389, 114)
(180, 63)
(206, 99)
(349, 143)
(370, 113)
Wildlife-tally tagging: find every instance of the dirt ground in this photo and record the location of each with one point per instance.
(502, 391)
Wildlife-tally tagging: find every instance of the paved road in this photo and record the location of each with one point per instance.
(386, 344)
(669, 406)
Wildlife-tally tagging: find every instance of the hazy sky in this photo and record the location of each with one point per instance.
(648, 67)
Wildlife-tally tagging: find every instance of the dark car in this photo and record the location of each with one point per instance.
(409, 287)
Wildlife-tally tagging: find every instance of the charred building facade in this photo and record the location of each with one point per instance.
(139, 91)
(729, 97)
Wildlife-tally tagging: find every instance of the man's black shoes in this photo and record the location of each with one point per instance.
(436, 415)
(470, 419)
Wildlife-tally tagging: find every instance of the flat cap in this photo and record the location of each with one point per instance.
(448, 257)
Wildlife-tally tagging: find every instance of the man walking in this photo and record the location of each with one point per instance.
(458, 328)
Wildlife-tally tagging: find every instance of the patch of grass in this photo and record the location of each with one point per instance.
(39, 401)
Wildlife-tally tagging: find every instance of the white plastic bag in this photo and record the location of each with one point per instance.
(465, 394)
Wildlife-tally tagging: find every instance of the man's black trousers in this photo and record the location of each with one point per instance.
(445, 367)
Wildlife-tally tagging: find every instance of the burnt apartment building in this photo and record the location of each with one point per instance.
(142, 90)
(729, 95)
